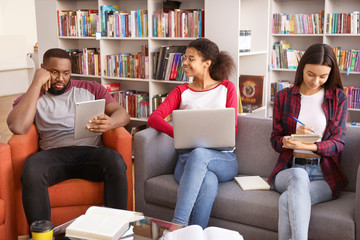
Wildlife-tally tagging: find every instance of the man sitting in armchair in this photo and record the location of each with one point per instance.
(49, 103)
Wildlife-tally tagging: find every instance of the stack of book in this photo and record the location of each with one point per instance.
(80, 23)
(282, 56)
(298, 23)
(115, 23)
(128, 65)
(343, 23)
(85, 61)
(178, 23)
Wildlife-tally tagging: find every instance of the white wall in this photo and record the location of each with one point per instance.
(17, 38)
(18, 18)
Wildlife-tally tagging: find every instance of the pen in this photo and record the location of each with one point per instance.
(301, 123)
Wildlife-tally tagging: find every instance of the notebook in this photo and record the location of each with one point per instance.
(209, 128)
(310, 138)
(84, 111)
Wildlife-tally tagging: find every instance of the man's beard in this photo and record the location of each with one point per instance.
(53, 91)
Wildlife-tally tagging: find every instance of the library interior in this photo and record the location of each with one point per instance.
(137, 55)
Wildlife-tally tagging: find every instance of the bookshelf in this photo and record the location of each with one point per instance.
(226, 38)
(346, 41)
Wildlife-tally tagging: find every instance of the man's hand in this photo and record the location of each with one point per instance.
(43, 78)
(100, 123)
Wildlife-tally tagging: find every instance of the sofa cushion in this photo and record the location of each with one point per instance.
(75, 192)
(2, 211)
(260, 208)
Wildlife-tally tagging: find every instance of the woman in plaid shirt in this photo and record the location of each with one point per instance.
(309, 173)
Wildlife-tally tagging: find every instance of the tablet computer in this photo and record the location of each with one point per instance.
(84, 111)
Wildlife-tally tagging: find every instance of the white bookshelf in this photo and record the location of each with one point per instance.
(222, 25)
(302, 41)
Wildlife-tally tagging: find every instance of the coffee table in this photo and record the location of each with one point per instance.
(146, 229)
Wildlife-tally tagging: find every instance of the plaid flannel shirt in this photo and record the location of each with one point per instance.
(287, 106)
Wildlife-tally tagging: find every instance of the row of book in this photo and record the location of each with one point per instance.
(80, 23)
(169, 63)
(157, 100)
(135, 102)
(343, 23)
(353, 96)
(348, 60)
(282, 56)
(277, 86)
(117, 23)
(85, 61)
(298, 23)
(128, 65)
(178, 23)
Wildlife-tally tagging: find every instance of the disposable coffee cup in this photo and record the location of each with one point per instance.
(42, 230)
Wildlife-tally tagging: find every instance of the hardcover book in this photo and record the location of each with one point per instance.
(251, 91)
(101, 223)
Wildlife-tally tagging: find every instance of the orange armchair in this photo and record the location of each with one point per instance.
(71, 198)
(7, 216)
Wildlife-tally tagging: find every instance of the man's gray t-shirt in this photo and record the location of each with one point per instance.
(55, 114)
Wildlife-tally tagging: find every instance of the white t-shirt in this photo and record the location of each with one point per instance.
(312, 114)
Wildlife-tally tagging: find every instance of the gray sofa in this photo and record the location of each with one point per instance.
(253, 213)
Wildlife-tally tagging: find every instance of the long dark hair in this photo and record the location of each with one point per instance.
(321, 54)
(222, 64)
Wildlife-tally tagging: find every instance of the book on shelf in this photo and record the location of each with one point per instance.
(102, 223)
(85, 61)
(343, 23)
(353, 96)
(251, 91)
(178, 23)
(164, 60)
(136, 103)
(252, 183)
(283, 56)
(195, 232)
(347, 60)
(128, 65)
(79, 23)
(283, 23)
(277, 86)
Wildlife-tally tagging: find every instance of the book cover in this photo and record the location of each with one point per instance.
(251, 91)
(252, 183)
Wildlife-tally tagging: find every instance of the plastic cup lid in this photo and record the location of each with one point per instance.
(41, 226)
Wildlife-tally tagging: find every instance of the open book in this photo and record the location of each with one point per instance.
(309, 138)
(101, 223)
(195, 232)
(252, 183)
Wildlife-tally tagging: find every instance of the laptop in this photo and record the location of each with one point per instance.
(84, 111)
(208, 128)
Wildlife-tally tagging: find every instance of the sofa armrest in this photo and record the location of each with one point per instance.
(357, 205)
(22, 146)
(7, 190)
(120, 140)
(154, 155)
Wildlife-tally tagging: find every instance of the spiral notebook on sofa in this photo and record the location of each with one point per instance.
(209, 128)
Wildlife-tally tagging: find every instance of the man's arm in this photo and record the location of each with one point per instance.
(115, 116)
(22, 116)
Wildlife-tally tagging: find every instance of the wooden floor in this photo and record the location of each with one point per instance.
(6, 103)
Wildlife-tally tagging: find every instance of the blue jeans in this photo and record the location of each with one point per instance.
(198, 172)
(301, 186)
